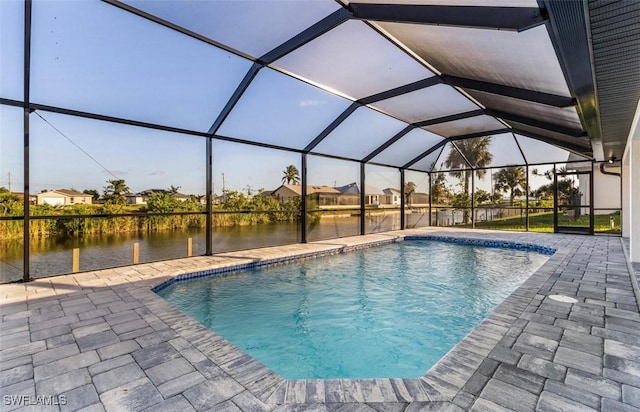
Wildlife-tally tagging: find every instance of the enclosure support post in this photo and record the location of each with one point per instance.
(303, 200)
(527, 198)
(402, 200)
(25, 200)
(26, 101)
(362, 199)
(430, 198)
(209, 199)
(633, 195)
(473, 198)
(591, 198)
(555, 200)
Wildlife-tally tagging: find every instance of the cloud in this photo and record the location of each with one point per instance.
(156, 173)
(310, 102)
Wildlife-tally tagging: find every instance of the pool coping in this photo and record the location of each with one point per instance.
(470, 374)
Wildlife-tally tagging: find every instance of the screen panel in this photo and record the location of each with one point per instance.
(450, 159)
(361, 133)
(429, 103)
(428, 163)
(564, 116)
(333, 194)
(342, 59)
(536, 152)
(607, 199)
(11, 193)
(382, 199)
(280, 110)
(551, 135)
(93, 168)
(500, 198)
(407, 148)
(11, 154)
(504, 151)
(250, 169)
(93, 57)
(542, 192)
(526, 59)
(262, 187)
(11, 250)
(250, 26)
(69, 152)
(12, 49)
(417, 199)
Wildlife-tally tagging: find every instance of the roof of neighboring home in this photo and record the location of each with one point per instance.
(68, 192)
(353, 188)
(390, 191)
(152, 191)
(310, 189)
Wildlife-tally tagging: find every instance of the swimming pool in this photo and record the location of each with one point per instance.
(388, 311)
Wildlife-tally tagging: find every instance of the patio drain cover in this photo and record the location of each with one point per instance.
(563, 299)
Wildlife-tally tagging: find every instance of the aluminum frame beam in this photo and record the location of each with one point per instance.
(467, 161)
(471, 16)
(510, 91)
(450, 118)
(388, 143)
(26, 237)
(235, 97)
(452, 139)
(504, 18)
(343, 116)
(536, 123)
(398, 91)
(331, 21)
(575, 148)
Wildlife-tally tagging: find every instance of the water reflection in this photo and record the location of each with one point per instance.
(52, 255)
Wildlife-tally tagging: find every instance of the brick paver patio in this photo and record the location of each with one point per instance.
(104, 341)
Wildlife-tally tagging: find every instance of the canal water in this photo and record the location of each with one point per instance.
(53, 256)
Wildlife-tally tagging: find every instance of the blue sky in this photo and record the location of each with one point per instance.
(91, 56)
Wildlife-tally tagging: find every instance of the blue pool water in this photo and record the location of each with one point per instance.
(390, 311)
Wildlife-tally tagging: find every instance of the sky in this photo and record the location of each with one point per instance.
(98, 58)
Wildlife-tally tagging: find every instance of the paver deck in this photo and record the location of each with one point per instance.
(103, 340)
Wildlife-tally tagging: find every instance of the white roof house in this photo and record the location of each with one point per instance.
(63, 197)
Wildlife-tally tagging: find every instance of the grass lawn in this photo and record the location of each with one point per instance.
(543, 222)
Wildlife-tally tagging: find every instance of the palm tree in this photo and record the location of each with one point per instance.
(115, 190)
(409, 188)
(291, 175)
(512, 179)
(476, 152)
(439, 190)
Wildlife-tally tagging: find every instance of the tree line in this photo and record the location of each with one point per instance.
(259, 208)
(262, 208)
(510, 180)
